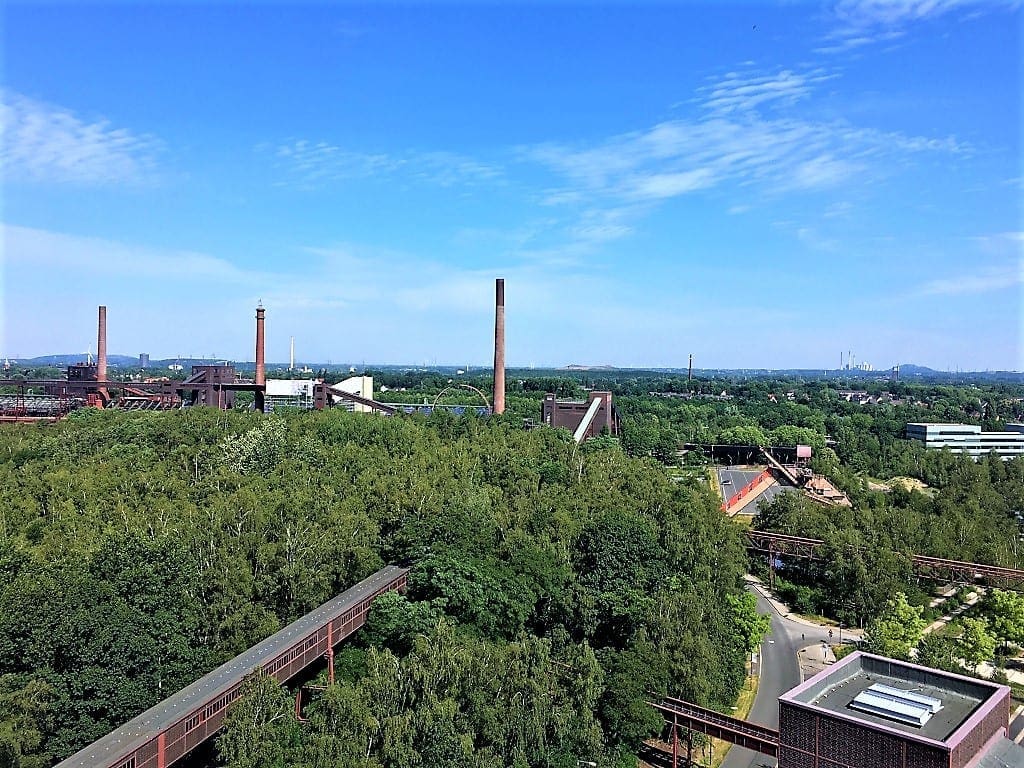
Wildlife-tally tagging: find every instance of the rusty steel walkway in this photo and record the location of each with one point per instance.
(937, 568)
(171, 729)
(691, 717)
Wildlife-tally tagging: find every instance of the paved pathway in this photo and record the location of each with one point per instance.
(790, 638)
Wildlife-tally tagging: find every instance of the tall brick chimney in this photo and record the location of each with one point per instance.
(101, 346)
(499, 345)
(261, 367)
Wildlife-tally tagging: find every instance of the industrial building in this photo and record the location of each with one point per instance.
(867, 710)
(969, 439)
(301, 393)
(584, 418)
(87, 384)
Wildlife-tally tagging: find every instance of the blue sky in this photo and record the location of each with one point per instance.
(761, 185)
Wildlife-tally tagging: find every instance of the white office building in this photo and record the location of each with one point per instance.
(969, 439)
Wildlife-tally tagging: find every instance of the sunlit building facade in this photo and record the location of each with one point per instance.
(969, 439)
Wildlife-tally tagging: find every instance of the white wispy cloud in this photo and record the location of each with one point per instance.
(838, 210)
(862, 22)
(1011, 243)
(602, 226)
(981, 280)
(744, 133)
(312, 164)
(810, 237)
(740, 91)
(45, 143)
(659, 185)
(65, 253)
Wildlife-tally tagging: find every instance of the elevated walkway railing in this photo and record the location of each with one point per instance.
(938, 568)
(334, 391)
(683, 714)
(171, 729)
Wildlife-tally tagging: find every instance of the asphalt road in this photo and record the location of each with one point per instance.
(779, 672)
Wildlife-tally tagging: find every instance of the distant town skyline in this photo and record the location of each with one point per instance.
(763, 185)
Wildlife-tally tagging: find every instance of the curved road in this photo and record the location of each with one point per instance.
(779, 672)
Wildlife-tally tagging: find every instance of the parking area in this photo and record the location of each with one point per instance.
(731, 481)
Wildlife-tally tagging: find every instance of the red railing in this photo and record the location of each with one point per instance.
(742, 493)
(692, 717)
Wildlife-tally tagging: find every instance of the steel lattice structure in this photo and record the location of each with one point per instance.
(938, 568)
(683, 714)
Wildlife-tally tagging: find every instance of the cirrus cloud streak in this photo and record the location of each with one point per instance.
(44, 143)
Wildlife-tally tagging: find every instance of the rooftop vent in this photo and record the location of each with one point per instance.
(896, 704)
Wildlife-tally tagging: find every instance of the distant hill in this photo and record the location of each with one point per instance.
(65, 360)
(909, 369)
(920, 371)
(121, 361)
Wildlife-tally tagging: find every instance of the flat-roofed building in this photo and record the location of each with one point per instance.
(969, 438)
(867, 710)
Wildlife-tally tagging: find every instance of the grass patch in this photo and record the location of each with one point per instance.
(744, 703)
(712, 474)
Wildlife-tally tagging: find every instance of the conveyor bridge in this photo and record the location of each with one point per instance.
(937, 568)
(169, 730)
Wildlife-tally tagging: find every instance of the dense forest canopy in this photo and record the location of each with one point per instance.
(140, 550)
(553, 587)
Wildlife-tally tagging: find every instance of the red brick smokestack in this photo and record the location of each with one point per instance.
(499, 345)
(261, 367)
(101, 346)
